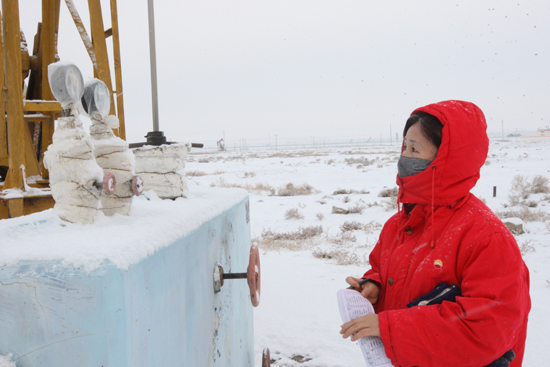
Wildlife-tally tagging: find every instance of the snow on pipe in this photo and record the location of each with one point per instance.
(75, 177)
(162, 169)
(111, 152)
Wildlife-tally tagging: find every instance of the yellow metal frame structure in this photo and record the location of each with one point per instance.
(27, 122)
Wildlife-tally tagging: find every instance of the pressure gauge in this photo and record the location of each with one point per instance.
(66, 83)
(96, 99)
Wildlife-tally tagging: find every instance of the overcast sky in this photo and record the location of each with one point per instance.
(316, 70)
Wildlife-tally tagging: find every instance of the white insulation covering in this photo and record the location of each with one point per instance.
(162, 169)
(73, 172)
(113, 155)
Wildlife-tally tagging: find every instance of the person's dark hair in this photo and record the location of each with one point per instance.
(430, 126)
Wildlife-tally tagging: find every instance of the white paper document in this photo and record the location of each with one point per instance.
(353, 305)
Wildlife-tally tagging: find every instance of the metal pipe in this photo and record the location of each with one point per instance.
(153, 56)
(82, 31)
(118, 70)
(13, 85)
(234, 276)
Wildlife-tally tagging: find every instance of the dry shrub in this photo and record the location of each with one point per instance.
(352, 152)
(293, 214)
(341, 257)
(320, 216)
(301, 233)
(236, 157)
(291, 190)
(522, 188)
(370, 205)
(372, 226)
(303, 238)
(525, 214)
(249, 174)
(361, 161)
(369, 227)
(351, 226)
(388, 193)
(526, 247)
(539, 185)
(258, 187)
(346, 199)
(348, 192)
(305, 153)
(342, 238)
(390, 204)
(356, 209)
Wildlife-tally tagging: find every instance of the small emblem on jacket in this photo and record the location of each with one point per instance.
(438, 264)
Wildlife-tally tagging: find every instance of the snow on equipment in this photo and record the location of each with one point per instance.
(75, 177)
(162, 169)
(132, 291)
(28, 109)
(111, 152)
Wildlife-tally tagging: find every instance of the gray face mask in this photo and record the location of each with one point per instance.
(411, 166)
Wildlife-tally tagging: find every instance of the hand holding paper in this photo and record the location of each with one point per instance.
(358, 314)
(360, 327)
(368, 289)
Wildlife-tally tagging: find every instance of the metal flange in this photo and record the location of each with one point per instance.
(109, 183)
(252, 275)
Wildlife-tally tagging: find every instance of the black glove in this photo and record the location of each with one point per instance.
(444, 292)
(505, 360)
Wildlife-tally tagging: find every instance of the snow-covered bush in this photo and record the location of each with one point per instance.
(293, 214)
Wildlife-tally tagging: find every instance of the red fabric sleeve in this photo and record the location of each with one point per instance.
(487, 321)
(374, 260)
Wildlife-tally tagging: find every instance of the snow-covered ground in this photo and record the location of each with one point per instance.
(307, 251)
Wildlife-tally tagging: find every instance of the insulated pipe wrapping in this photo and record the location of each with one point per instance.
(74, 172)
(111, 152)
(113, 155)
(162, 169)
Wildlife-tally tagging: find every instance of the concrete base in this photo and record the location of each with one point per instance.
(162, 311)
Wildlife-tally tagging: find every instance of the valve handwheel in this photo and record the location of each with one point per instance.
(253, 276)
(266, 358)
(109, 183)
(137, 185)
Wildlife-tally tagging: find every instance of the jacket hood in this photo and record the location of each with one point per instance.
(462, 153)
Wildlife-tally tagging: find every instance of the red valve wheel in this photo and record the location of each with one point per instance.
(137, 185)
(266, 358)
(253, 276)
(109, 183)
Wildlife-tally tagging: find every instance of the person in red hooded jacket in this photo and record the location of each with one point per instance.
(444, 234)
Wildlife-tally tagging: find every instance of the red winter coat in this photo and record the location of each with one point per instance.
(460, 241)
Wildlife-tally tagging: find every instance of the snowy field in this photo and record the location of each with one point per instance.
(307, 250)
